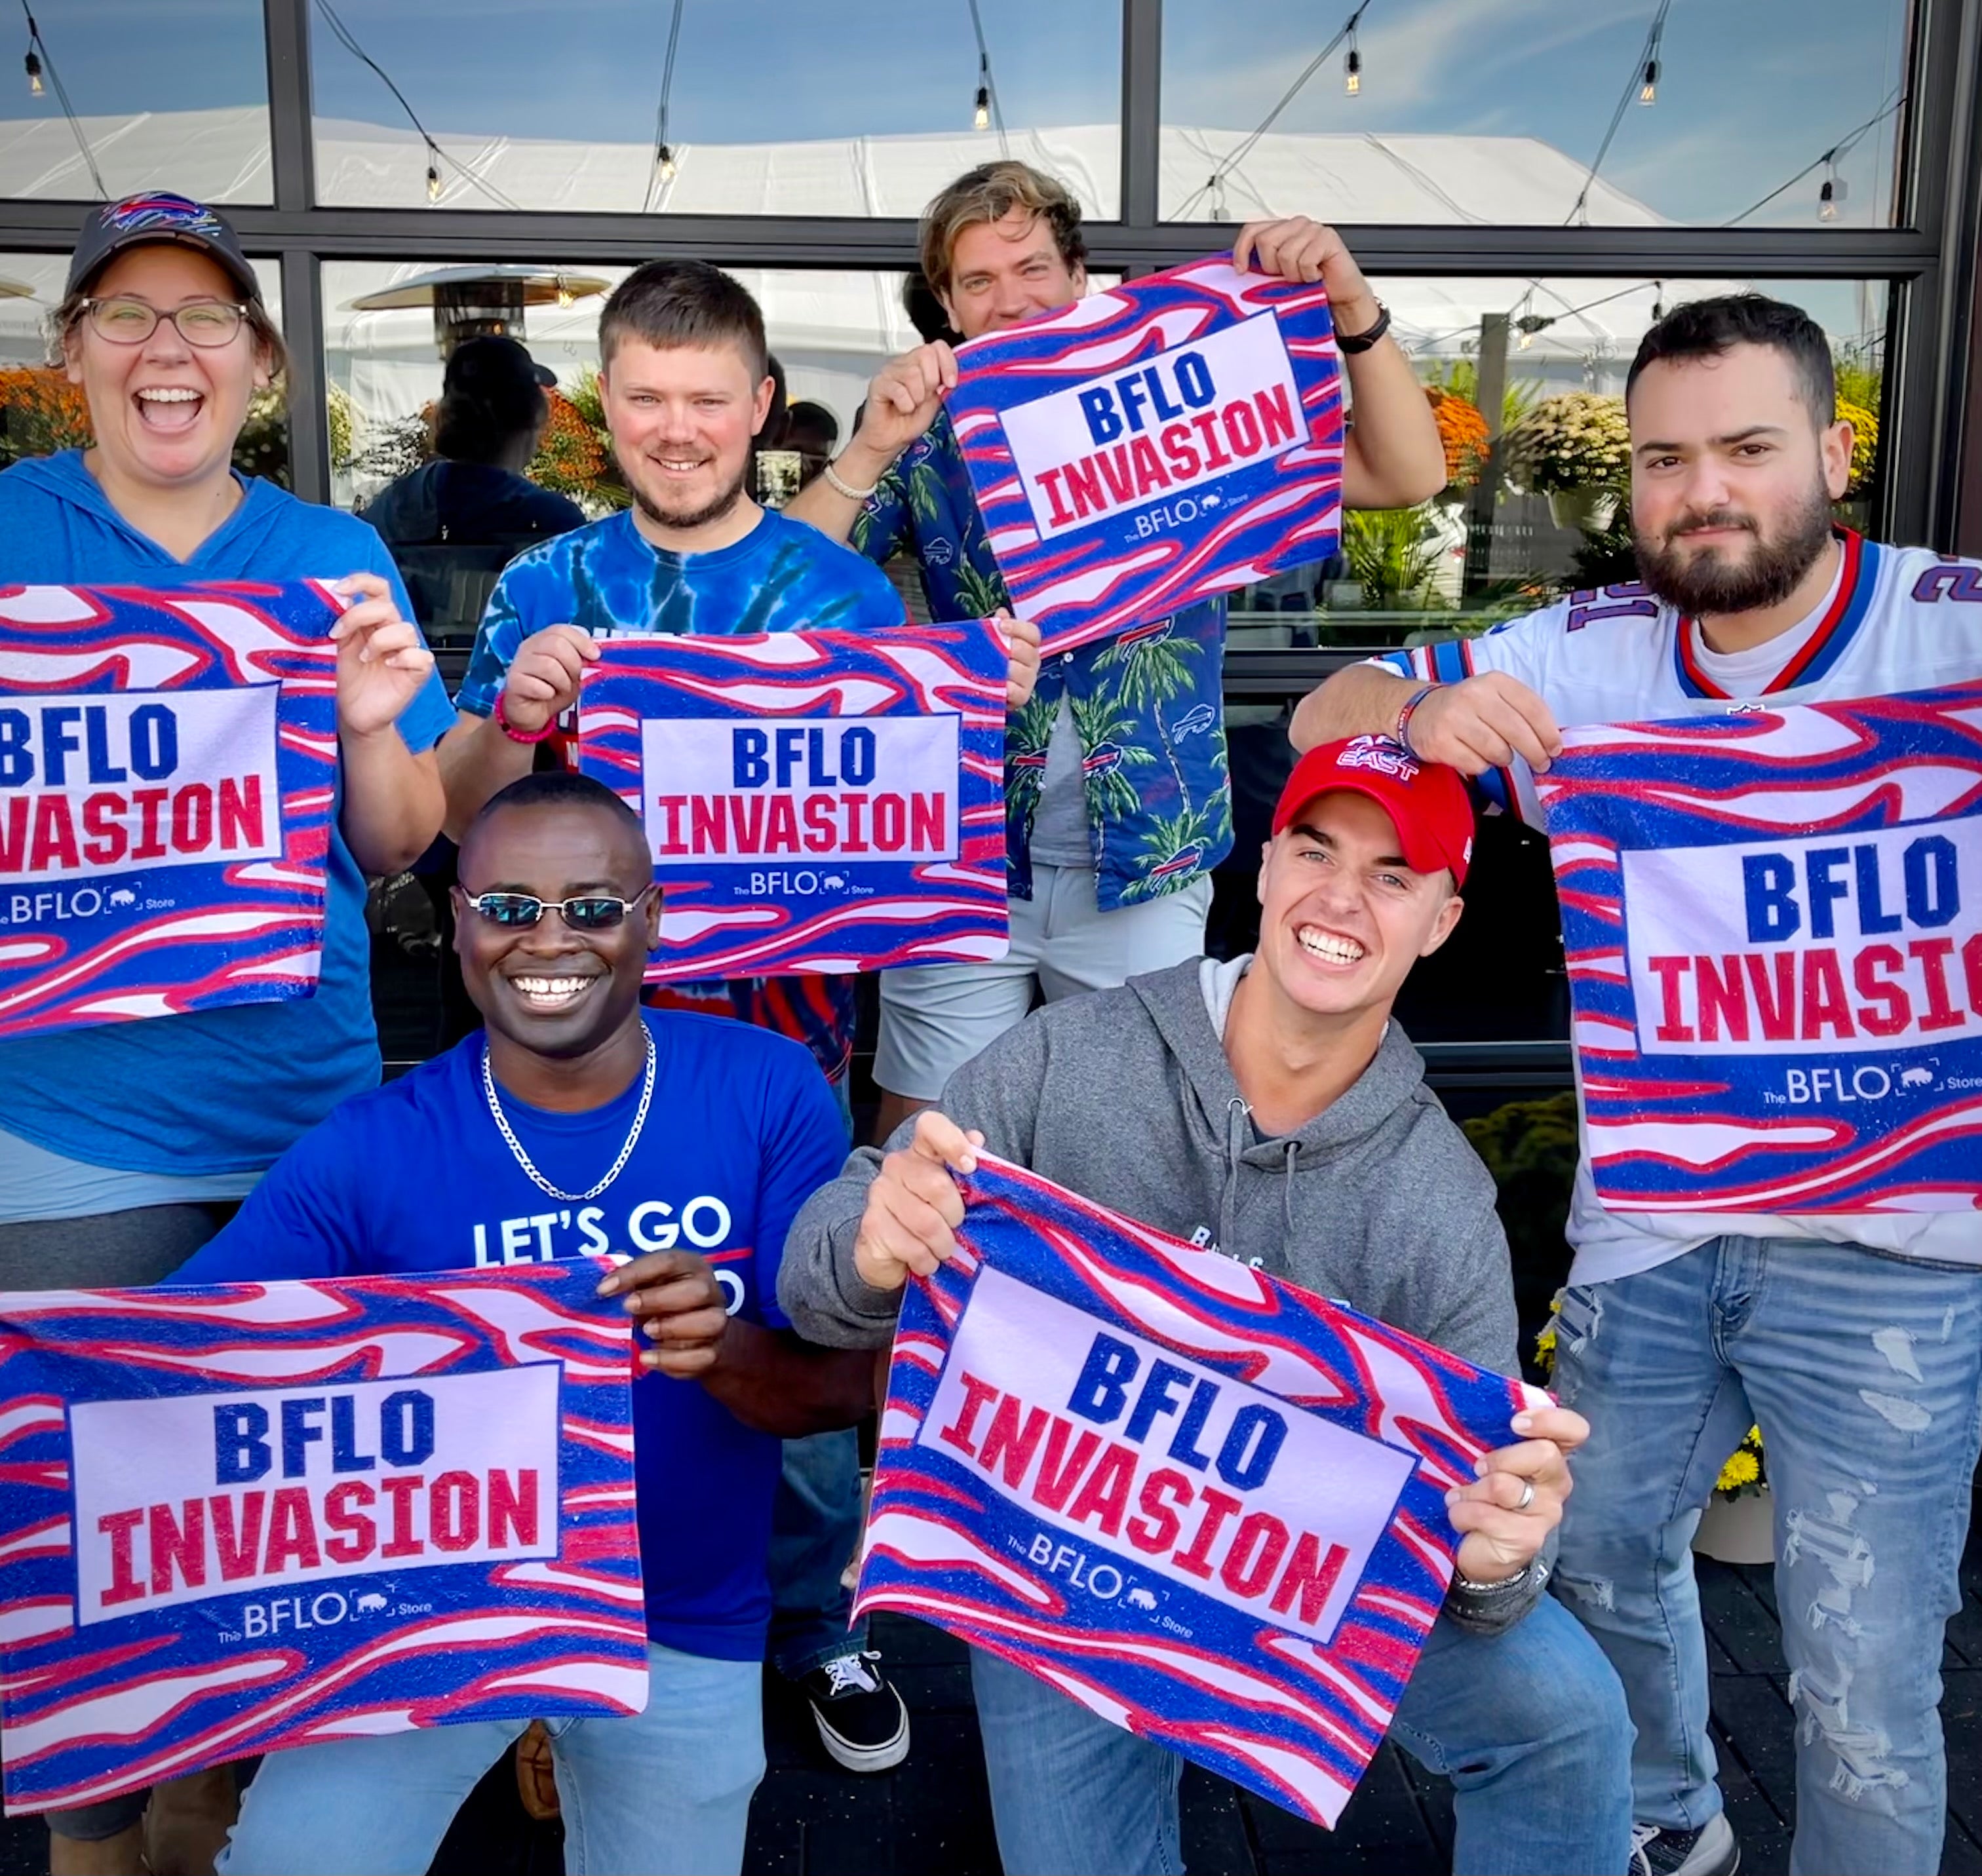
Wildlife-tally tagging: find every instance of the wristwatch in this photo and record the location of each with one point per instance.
(1501, 1588)
(1354, 342)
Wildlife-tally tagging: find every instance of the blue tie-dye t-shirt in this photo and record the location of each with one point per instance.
(782, 576)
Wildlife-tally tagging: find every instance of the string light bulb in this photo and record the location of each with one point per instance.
(1658, 301)
(1352, 70)
(1648, 92)
(1826, 200)
(33, 64)
(665, 162)
(433, 183)
(565, 298)
(980, 117)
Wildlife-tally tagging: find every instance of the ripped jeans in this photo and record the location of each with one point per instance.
(1864, 1373)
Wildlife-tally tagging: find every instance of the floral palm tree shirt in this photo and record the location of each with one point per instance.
(1146, 706)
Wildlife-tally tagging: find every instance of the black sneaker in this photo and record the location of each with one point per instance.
(862, 1720)
(1710, 1850)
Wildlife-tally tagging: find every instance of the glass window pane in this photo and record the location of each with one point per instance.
(1492, 110)
(41, 412)
(775, 107)
(168, 95)
(1552, 519)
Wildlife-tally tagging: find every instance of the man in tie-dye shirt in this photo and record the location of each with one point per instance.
(685, 383)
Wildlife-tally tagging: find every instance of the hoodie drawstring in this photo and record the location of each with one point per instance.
(1236, 1113)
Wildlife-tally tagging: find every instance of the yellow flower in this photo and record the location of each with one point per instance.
(1741, 1469)
(1864, 444)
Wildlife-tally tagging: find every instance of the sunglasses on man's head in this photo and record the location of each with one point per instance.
(590, 911)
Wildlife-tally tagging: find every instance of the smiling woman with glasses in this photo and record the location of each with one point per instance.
(122, 1148)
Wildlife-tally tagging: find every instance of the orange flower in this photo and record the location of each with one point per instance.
(1463, 430)
(570, 457)
(44, 413)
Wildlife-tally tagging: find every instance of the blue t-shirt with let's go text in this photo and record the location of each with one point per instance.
(414, 1176)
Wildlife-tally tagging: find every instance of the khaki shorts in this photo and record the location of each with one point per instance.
(936, 1017)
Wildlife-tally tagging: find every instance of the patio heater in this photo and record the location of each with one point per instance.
(480, 302)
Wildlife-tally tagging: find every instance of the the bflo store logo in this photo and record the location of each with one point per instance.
(59, 906)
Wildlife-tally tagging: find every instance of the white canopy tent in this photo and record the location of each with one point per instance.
(831, 329)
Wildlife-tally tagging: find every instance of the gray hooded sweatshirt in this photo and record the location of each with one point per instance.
(1126, 1097)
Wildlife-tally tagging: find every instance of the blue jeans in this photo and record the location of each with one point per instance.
(814, 1524)
(1529, 1725)
(1864, 1373)
(665, 1793)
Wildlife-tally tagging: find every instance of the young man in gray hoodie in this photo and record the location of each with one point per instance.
(1270, 1108)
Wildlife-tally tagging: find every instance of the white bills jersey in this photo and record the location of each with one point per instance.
(1896, 619)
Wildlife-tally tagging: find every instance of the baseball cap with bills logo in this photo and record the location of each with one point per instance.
(1427, 801)
(144, 220)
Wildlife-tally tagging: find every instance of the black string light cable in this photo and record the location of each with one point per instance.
(1528, 324)
(40, 60)
(663, 172)
(435, 154)
(1643, 84)
(1832, 191)
(1212, 184)
(988, 107)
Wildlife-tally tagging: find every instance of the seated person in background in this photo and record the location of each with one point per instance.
(559, 910)
(813, 431)
(1270, 1108)
(474, 493)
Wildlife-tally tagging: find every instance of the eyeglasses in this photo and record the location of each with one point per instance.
(208, 324)
(517, 911)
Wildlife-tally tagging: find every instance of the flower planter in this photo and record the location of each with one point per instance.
(1738, 1530)
(1589, 510)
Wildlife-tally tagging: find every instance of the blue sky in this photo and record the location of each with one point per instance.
(1748, 92)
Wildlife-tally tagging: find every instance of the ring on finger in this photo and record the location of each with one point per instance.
(1527, 1497)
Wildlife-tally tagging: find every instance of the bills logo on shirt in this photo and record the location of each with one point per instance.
(814, 801)
(1773, 921)
(247, 1516)
(1203, 1503)
(167, 774)
(1147, 447)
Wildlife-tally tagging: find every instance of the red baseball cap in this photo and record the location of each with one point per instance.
(1427, 801)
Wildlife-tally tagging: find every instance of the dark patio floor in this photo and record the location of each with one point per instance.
(932, 1818)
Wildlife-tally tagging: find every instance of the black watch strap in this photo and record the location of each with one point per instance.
(1354, 342)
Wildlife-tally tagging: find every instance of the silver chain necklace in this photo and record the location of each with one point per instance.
(502, 1127)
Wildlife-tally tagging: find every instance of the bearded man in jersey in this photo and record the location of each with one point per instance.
(1854, 1340)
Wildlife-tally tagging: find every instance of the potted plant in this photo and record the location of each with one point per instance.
(1394, 554)
(1738, 1526)
(575, 457)
(1463, 431)
(1864, 446)
(1576, 449)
